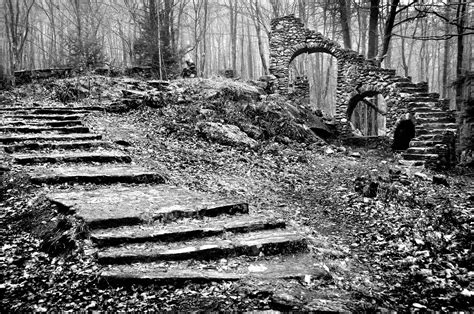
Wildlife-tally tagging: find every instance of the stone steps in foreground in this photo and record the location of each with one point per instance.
(120, 205)
(96, 174)
(268, 242)
(434, 114)
(440, 119)
(436, 125)
(184, 229)
(53, 109)
(299, 267)
(58, 117)
(8, 139)
(100, 157)
(35, 123)
(41, 129)
(39, 146)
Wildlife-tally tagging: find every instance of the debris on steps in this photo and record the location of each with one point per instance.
(8, 139)
(72, 157)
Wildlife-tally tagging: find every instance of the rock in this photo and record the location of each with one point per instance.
(283, 301)
(328, 151)
(421, 175)
(356, 155)
(440, 179)
(267, 78)
(226, 134)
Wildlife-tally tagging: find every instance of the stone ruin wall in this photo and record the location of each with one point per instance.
(356, 76)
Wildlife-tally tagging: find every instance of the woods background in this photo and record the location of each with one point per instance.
(428, 40)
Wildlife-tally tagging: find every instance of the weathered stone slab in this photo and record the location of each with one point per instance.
(35, 123)
(115, 206)
(253, 243)
(52, 109)
(183, 230)
(298, 267)
(102, 157)
(54, 145)
(101, 174)
(48, 137)
(41, 129)
(44, 116)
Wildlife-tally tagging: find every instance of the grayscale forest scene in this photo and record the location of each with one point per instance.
(236, 155)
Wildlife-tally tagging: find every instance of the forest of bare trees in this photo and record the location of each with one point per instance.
(428, 40)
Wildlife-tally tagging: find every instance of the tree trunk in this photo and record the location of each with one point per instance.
(372, 46)
(345, 17)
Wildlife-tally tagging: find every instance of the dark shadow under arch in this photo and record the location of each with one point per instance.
(403, 134)
(355, 100)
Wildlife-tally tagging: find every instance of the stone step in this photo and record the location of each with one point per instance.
(420, 150)
(44, 116)
(430, 137)
(183, 230)
(434, 131)
(8, 139)
(38, 146)
(412, 163)
(97, 174)
(51, 109)
(414, 89)
(423, 109)
(299, 267)
(434, 125)
(268, 242)
(439, 119)
(418, 98)
(400, 79)
(415, 143)
(408, 156)
(40, 129)
(51, 123)
(434, 114)
(99, 157)
(118, 205)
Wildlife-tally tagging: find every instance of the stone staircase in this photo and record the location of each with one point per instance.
(435, 126)
(142, 230)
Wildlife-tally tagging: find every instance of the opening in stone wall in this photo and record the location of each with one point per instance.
(313, 77)
(404, 133)
(368, 115)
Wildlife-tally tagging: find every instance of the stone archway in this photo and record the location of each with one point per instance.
(356, 75)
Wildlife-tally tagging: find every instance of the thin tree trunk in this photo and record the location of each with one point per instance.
(372, 46)
(345, 19)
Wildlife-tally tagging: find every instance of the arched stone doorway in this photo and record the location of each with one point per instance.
(367, 114)
(313, 79)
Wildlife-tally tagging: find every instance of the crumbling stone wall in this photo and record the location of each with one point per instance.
(465, 120)
(357, 77)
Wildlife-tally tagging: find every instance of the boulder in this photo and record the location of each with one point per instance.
(226, 134)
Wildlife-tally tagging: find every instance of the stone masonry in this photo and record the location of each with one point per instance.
(358, 78)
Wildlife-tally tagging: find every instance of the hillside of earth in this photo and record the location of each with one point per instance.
(381, 235)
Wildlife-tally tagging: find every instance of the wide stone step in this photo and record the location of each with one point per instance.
(100, 157)
(434, 125)
(269, 242)
(414, 89)
(183, 230)
(8, 139)
(118, 205)
(408, 156)
(434, 131)
(51, 109)
(416, 143)
(440, 119)
(42, 129)
(420, 150)
(434, 115)
(299, 267)
(99, 174)
(68, 117)
(51, 123)
(430, 137)
(39, 146)
(416, 99)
